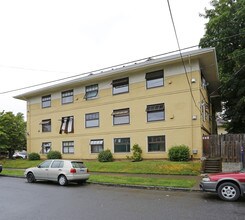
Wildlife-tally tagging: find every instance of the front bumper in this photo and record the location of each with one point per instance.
(208, 186)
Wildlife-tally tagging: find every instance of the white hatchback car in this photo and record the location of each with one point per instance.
(61, 171)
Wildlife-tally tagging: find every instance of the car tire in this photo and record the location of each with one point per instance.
(229, 191)
(62, 180)
(30, 177)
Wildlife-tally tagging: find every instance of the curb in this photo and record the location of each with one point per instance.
(163, 188)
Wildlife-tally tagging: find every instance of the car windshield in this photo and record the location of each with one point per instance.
(76, 164)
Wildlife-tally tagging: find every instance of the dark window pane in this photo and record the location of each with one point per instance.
(156, 143)
(67, 97)
(121, 145)
(120, 86)
(154, 79)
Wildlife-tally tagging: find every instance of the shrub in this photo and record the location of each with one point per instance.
(105, 156)
(34, 156)
(137, 153)
(54, 155)
(179, 153)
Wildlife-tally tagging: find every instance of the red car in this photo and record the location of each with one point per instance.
(229, 186)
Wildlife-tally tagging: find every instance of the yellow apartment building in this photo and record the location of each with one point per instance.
(156, 103)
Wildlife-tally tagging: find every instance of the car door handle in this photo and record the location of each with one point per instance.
(46, 169)
(60, 169)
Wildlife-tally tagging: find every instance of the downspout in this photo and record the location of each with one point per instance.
(192, 142)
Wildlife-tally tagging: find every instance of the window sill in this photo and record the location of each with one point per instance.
(154, 87)
(156, 152)
(93, 98)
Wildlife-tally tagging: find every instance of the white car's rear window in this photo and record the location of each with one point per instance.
(76, 164)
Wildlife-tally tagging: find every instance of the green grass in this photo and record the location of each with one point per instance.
(142, 181)
(15, 168)
(125, 180)
(19, 163)
(13, 172)
(146, 167)
(143, 167)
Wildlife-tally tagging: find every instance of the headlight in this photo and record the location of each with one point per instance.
(206, 179)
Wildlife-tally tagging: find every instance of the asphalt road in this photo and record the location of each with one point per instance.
(44, 200)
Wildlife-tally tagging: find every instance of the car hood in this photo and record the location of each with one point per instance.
(231, 175)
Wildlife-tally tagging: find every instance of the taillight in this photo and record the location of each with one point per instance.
(73, 170)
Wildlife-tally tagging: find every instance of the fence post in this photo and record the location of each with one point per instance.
(242, 156)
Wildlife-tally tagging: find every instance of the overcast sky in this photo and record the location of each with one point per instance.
(45, 40)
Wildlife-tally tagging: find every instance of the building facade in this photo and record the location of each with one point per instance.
(156, 103)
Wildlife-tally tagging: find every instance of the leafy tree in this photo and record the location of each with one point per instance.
(225, 31)
(12, 132)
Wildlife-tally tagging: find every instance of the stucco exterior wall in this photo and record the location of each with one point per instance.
(182, 125)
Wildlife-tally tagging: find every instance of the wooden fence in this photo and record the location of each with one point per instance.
(229, 147)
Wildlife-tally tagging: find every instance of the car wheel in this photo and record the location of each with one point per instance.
(62, 180)
(30, 178)
(228, 191)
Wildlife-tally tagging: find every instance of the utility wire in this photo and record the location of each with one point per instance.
(92, 72)
(176, 36)
(87, 73)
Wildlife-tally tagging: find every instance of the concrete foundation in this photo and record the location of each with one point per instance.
(230, 167)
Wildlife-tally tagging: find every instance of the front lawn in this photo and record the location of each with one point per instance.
(15, 168)
(143, 181)
(124, 180)
(143, 167)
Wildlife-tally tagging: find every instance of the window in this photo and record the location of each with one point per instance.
(91, 91)
(57, 164)
(156, 143)
(46, 101)
(46, 125)
(46, 147)
(155, 112)
(121, 116)
(204, 111)
(154, 79)
(77, 164)
(204, 83)
(68, 147)
(120, 86)
(67, 97)
(67, 125)
(121, 145)
(97, 145)
(92, 120)
(45, 164)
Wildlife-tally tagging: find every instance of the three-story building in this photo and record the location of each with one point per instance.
(156, 103)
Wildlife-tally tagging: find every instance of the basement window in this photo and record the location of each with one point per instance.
(46, 147)
(156, 143)
(97, 145)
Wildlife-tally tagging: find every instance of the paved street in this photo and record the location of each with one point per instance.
(43, 200)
